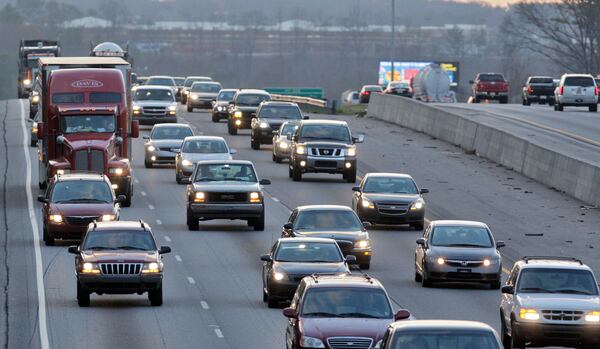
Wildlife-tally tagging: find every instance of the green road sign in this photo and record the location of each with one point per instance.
(312, 92)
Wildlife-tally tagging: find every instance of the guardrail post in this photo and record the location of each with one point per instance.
(334, 106)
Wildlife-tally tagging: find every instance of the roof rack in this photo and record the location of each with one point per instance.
(558, 258)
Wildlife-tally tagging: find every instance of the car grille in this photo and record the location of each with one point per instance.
(562, 315)
(227, 197)
(80, 220)
(155, 111)
(121, 268)
(349, 342)
(392, 208)
(464, 264)
(167, 148)
(326, 152)
(345, 245)
(325, 164)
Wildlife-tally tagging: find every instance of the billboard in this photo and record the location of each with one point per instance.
(405, 71)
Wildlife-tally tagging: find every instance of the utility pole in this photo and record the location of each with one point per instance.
(392, 49)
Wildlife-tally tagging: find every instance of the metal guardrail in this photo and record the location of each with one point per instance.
(300, 100)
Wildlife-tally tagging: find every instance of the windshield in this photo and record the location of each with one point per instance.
(288, 129)
(225, 172)
(105, 97)
(280, 112)
(550, 280)
(171, 133)
(251, 100)
(308, 252)
(160, 82)
(119, 240)
(581, 81)
(204, 147)
(327, 220)
(459, 236)
(443, 339)
(226, 96)
(491, 77)
(390, 185)
(179, 81)
(153, 95)
(81, 191)
(325, 132)
(87, 123)
(346, 302)
(190, 81)
(64, 98)
(206, 87)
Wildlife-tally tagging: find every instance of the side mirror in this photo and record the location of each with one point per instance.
(367, 224)
(288, 226)
(146, 137)
(135, 129)
(73, 249)
(500, 244)
(402, 315)
(232, 151)
(424, 191)
(305, 117)
(359, 139)
(40, 130)
(508, 289)
(355, 188)
(290, 313)
(164, 249)
(121, 199)
(266, 258)
(471, 82)
(265, 182)
(421, 241)
(60, 139)
(186, 180)
(42, 199)
(351, 260)
(119, 140)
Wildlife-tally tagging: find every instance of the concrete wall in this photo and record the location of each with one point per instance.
(543, 162)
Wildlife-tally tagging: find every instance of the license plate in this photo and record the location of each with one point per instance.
(542, 97)
(463, 270)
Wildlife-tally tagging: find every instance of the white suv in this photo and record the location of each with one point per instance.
(577, 90)
(550, 301)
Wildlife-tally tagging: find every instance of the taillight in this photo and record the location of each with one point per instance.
(29, 74)
(596, 90)
(561, 90)
(530, 90)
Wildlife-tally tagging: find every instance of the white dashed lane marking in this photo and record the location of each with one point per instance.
(178, 257)
(191, 280)
(219, 333)
(143, 193)
(204, 305)
(275, 199)
(151, 207)
(158, 221)
(168, 239)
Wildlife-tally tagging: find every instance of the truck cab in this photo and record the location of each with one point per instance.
(29, 52)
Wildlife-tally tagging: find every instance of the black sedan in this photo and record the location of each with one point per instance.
(334, 222)
(291, 259)
(390, 198)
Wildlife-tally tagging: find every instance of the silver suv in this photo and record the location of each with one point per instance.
(550, 301)
(576, 90)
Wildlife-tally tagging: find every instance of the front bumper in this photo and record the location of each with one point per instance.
(245, 122)
(123, 184)
(281, 152)
(120, 284)
(226, 211)
(283, 289)
(153, 120)
(198, 103)
(160, 157)
(374, 215)
(437, 272)
(219, 114)
(324, 164)
(543, 334)
(65, 230)
(264, 135)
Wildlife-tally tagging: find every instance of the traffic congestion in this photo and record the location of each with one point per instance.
(323, 254)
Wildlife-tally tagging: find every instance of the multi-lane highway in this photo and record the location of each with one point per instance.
(212, 282)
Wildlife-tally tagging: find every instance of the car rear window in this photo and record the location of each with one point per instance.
(443, 339)
(105, 97)
(491, 77)
(65, 98)
(579, 81)
(373, 88)
(541, 81)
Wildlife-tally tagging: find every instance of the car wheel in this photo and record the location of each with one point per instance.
(290, 172)
(515, 339)
(127, 202)
(425, 282)
(594, 108)
(551, 102)
(365, 266)
(417, 276)
(42, 185)
(504, 100)
(475, 100)
(265, 296)
(192, 222)
(33, 143)
(350, 176)
(83, 296)
(156, 296)
(148, 164)
(296, 174)
(178, 178)
(259, 223)
(255, 144)
(418, 226)
(190, 109)
(495, 285)
(231, 129)
(506, 343)
(559, 107)
(48, 240)
(215, 118)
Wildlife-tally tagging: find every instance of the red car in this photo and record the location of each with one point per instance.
(365, 92)
(339, 311)
(72, 201)
(490, 86)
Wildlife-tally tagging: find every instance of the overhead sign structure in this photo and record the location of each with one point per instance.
(405, 71)
(311, 92)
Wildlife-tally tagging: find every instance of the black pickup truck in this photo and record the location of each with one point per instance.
(539, 89)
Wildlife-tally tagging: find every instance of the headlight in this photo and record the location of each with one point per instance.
(151, 148)
(185, 92)
(108, 217)
(255, 197)
(362, 244)
(26, 81)
(56, 218)
(417, 205)
(366, 203)
(90, 268)
(35, 99)
(220, 108)
(172, 108)
(136, 108)
(378, 345)
(300, 150)
(194, 96)
(186, 163)
(264, 125)
(311, 342)
(61, 171)
(116, 171)
(278, 276)
(237, 114)
(199, 197)
(152, 267)
(593, 316)
(351, 151)
(528, 314)
(440, 261)
(492, 261)
(283, 145)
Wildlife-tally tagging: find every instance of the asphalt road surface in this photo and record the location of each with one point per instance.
(212, 281)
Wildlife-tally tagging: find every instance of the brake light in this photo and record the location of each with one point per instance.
(596, 90)
(561, 90)
(364, 93)
(29, 74)
(530, 90)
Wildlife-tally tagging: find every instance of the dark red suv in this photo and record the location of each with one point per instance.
(339, 311)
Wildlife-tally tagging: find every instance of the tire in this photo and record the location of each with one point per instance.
(290, 173)
(551, 102)
(127, 202)
(495, 285)
(296, 174)
(254, 144)
(475, 100)
(559, 107)
(350, 176)
(425, 282)
(417, 226)
(48, 240)
(192, 222)
(593, 108)
(42, 185)
(148, 164)
(156, 296)
(506, 344)
(276, 158)
(515, 340)
(232, 130)
(504, 100)
(215, 118)
(177, 178)
(265, 296)
(190, 109)
(365, 266)
(83, 296)
(271, 302)
(32, 143)
(259, 223)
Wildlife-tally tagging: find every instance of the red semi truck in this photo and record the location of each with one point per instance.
(86, 124)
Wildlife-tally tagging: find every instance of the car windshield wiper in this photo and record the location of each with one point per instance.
(359, 315)
(99, 248)
(572, 291)
(538, 289)
(130, 248)
(207, 179)
(465, 245)
(80, 200)
(322, 314)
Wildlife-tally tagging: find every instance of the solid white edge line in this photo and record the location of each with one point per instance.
(39, 270)
(219, 333)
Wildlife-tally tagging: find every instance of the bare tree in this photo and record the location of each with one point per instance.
(567, 32)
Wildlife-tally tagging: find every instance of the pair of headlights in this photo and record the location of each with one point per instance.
(312, 342)
(92, 268)
(254, 197)
(57, 218)
(415, 206)
(534, 315)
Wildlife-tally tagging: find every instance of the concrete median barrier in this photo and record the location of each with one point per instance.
(546, 158)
